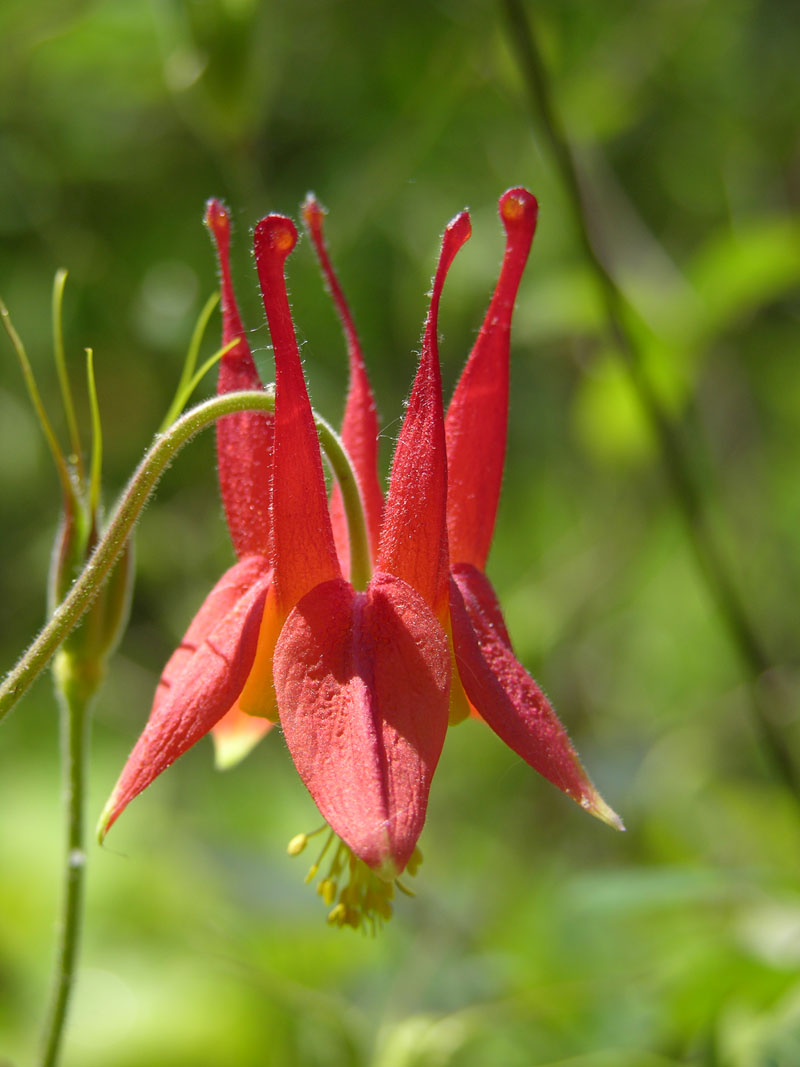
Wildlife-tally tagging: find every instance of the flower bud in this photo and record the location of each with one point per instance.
(87, 649)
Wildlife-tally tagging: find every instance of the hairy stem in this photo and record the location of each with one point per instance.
(75, 691)
(131, 503)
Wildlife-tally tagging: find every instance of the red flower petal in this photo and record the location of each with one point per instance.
(477, 417)
(244, 440)
(202, 685)
(304, 551)
(227, 592)
(413, 539)
(507, 697)
(362, 687)
(360, 424)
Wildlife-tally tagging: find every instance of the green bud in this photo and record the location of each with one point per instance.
(87, 649)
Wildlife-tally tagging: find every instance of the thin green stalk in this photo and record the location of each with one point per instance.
(75, 692)
(184, 389)
(742, 629)
(33, 392)
(360, 560)
(59, 282)
(96, 462)
(130, 506)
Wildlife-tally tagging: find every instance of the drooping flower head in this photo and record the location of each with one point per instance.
(356, 648)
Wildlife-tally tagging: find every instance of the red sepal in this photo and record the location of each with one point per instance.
(477, 418)
(244, 439)
(507, 697)
(201, 681)
(362, 684)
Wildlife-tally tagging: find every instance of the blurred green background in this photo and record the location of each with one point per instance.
(538, 936)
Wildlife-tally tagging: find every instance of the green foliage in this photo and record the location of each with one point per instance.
(538, 937)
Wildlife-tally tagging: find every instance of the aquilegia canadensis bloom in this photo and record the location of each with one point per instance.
(363, 680)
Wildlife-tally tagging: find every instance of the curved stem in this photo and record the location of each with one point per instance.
(75, 694)
(360, 559)
(131, 503)
(742, 630)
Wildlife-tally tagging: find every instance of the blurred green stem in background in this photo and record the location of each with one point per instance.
(764, 691)
(112, 543)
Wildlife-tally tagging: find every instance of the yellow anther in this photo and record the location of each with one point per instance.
(337, 915)
(327, 890)
(297, 844)
(312, 873)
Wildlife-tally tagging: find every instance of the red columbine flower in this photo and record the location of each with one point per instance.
(360, 677)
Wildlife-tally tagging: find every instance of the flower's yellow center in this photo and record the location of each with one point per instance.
(355, 894)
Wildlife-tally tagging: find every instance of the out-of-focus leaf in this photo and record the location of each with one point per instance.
(608, 415)
(422, 1041)
(741, 269)
(753, 1037)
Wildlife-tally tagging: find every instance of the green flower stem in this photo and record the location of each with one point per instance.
(767, 711)
(75, 688)
(360, 561)
(130, 506)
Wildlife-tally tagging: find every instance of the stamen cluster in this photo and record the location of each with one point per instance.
(356, 895)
